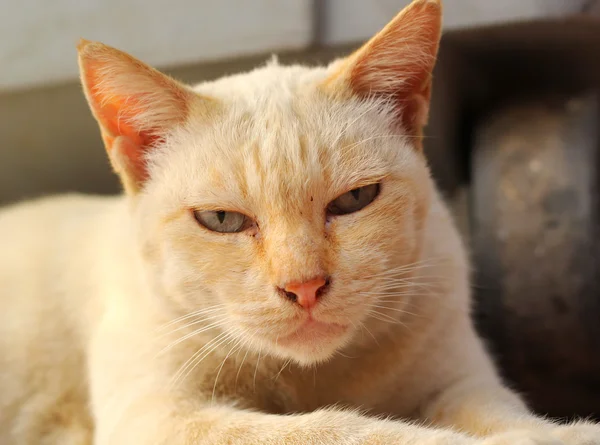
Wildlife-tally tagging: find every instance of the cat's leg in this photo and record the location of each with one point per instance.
(44, 406)
(133, 404)
(38, 423)
(473, 399)
(485, 408)
(156, 417)
(159, 422)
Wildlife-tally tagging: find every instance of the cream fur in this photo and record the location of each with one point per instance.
(124, 322)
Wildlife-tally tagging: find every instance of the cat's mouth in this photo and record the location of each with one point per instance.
(313, 331)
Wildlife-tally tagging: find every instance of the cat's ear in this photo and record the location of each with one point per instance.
(135, 106)
(396, 64)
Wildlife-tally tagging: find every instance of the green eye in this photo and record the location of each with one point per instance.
(222, 221)
(354, 200)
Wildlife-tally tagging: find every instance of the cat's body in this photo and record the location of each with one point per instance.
(48, 311)
(281, 249)
(48, 355)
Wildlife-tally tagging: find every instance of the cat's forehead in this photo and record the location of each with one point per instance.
(271, 81)
(279, 106)
(279, 113)
(279, 135)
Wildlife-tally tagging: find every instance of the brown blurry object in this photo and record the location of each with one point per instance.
(534, 207)
(515, 123)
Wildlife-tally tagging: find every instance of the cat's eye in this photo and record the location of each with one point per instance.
(222, 221)
(354, 200)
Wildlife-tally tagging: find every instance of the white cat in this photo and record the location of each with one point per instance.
(281, 269)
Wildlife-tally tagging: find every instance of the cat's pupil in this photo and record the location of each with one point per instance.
(221, 221)
(353, 200)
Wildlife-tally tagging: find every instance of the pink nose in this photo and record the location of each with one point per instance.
(306, 294)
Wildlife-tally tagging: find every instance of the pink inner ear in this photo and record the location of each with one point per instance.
(408, 84)
(130, 154)
(119, 134)
(116, 115)
(134, 104)
(397, 63)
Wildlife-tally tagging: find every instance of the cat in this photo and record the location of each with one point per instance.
(280, 269)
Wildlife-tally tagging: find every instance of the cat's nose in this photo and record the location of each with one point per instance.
(306, 293)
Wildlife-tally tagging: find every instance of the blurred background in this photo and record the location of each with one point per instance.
(513, 140)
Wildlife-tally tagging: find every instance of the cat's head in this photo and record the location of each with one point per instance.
(280, 205)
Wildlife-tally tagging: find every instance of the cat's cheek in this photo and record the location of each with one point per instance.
(371, 243)
(190, 265)
(356, 253)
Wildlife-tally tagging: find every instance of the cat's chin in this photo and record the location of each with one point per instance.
(313, 342)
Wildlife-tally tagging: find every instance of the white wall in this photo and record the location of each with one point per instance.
(38, 37)
(353, 20)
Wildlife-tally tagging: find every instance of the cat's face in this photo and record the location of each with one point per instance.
(278, 177)
(275, 160)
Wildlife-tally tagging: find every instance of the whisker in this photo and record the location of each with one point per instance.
(417, 265)
(233, 348)
(402, 311)
(394, 295)
(345, 356)
(256, 368)
(191, 315)
(222, 344)
(286, 363)
(416, 279)
(388, 286)
(191, 334)
(364, 326)
(225, 338)
(237, 376)
(388, 319)
(228, 339)
(383, 317)
(195, 322)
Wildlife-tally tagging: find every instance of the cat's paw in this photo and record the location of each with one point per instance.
(523, 437)
(580, 433)
(400, 434)
(447, 439)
